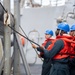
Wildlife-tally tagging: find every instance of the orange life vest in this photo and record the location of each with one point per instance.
(22, 40)
(72, 49)
(64, 53)
(44, 44)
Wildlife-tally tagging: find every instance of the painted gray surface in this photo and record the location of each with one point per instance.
(42, 19)
(34, 69)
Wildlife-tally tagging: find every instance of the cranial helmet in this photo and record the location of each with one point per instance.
(72, 28)
(50, 32)
(64, 26)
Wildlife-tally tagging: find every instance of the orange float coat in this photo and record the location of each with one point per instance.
(44, 44)
(22, 40)
(65, 52)
(72, 49)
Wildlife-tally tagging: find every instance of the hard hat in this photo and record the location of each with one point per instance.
(50, 32)
(65, 27)
(72, 27)
(59, 25)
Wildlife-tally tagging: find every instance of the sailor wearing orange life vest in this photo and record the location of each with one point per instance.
(46, 63)
(72, 33)
(72, 58)
(58, 53)
(48, 39)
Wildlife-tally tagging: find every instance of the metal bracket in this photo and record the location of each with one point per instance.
(6, 19)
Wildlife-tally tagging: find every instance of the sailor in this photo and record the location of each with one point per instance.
(72, 57)
(46, 62)
(58, 54)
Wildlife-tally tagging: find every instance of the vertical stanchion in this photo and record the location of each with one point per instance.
(7, 46)
(16, 64)
(25, 64)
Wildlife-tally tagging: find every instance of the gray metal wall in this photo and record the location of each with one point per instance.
(43, 18)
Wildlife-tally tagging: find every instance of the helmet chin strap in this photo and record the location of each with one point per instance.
(74, 33)
(61, 32)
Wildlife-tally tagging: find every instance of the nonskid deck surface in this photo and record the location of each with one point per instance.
(34, 69)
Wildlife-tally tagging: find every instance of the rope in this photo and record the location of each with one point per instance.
(21, 28)
(23, 36)
(30, 41)
(3, 7)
